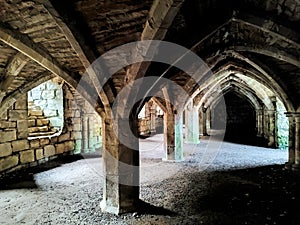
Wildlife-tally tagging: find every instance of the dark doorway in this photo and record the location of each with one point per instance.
(240, 121)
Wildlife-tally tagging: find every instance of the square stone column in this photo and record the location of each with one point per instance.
(120, 167)
(296, 165)
(272, 129)
(191, 125)
(291, 159)
(203, 121)
(173, 137)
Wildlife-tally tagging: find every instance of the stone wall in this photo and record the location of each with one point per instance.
(48, 97)
(18, 150)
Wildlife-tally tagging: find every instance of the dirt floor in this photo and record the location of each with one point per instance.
(217, 183)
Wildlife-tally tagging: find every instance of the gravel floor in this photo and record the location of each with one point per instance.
(216, 184)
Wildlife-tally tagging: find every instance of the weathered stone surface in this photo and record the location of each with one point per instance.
(42, 122)
(77, 127)
(9, 135)
(35, 112)
(60, 148)
(49, 150)
(38, 129)
(54, 140)
(7, 124)
(5, 149)
(8, 162)
(69, 146)
(64, 137)
(44, 141)
(39, 154)
(31, 123)
(18, 114)
(77, 135)
(27, 156)
(20, 145)
(21, 103)
(22, 126)
(3, 115)
(35, 143)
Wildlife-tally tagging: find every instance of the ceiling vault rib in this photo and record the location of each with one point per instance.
(86, 61)
(12, 97)
(32, 50)
(267, 31)
(161, 16)
(23, 44)
(12, 70)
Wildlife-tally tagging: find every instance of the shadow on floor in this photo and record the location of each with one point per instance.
(262, 195)
(147, 208)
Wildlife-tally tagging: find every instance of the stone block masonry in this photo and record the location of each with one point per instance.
(18, 149)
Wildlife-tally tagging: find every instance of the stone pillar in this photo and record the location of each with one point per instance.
(91, 131)
(272, 129)
(191, 124)
(203, 121)
(291, 159)
(120, 167)
(266, 123)
(153, 119)
(259, 117)
(85, 133)
(296, 165)
(208, 120)
(173, 137)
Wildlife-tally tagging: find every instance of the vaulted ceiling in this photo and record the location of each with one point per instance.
(42, 39)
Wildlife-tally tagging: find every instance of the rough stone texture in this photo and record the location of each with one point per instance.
(39, 154)
(35, 143)
(9, 135)
(7, 124)
(20, 145)
(64, 137)
(27, 156)
(22, 126)
(5, 149)
(254, 37)
(60, 148)
(15, 115)
(49, 150)
(44, 141)
(8, 162)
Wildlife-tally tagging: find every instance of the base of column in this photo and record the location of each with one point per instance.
(133, 207)
(296, 167)
(172, 160)
(109, 209)
(288, 165)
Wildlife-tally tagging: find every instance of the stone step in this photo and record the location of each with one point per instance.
(35, 112)
(37, 134)
(38, 122)
(34, 107)
(38, 129)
